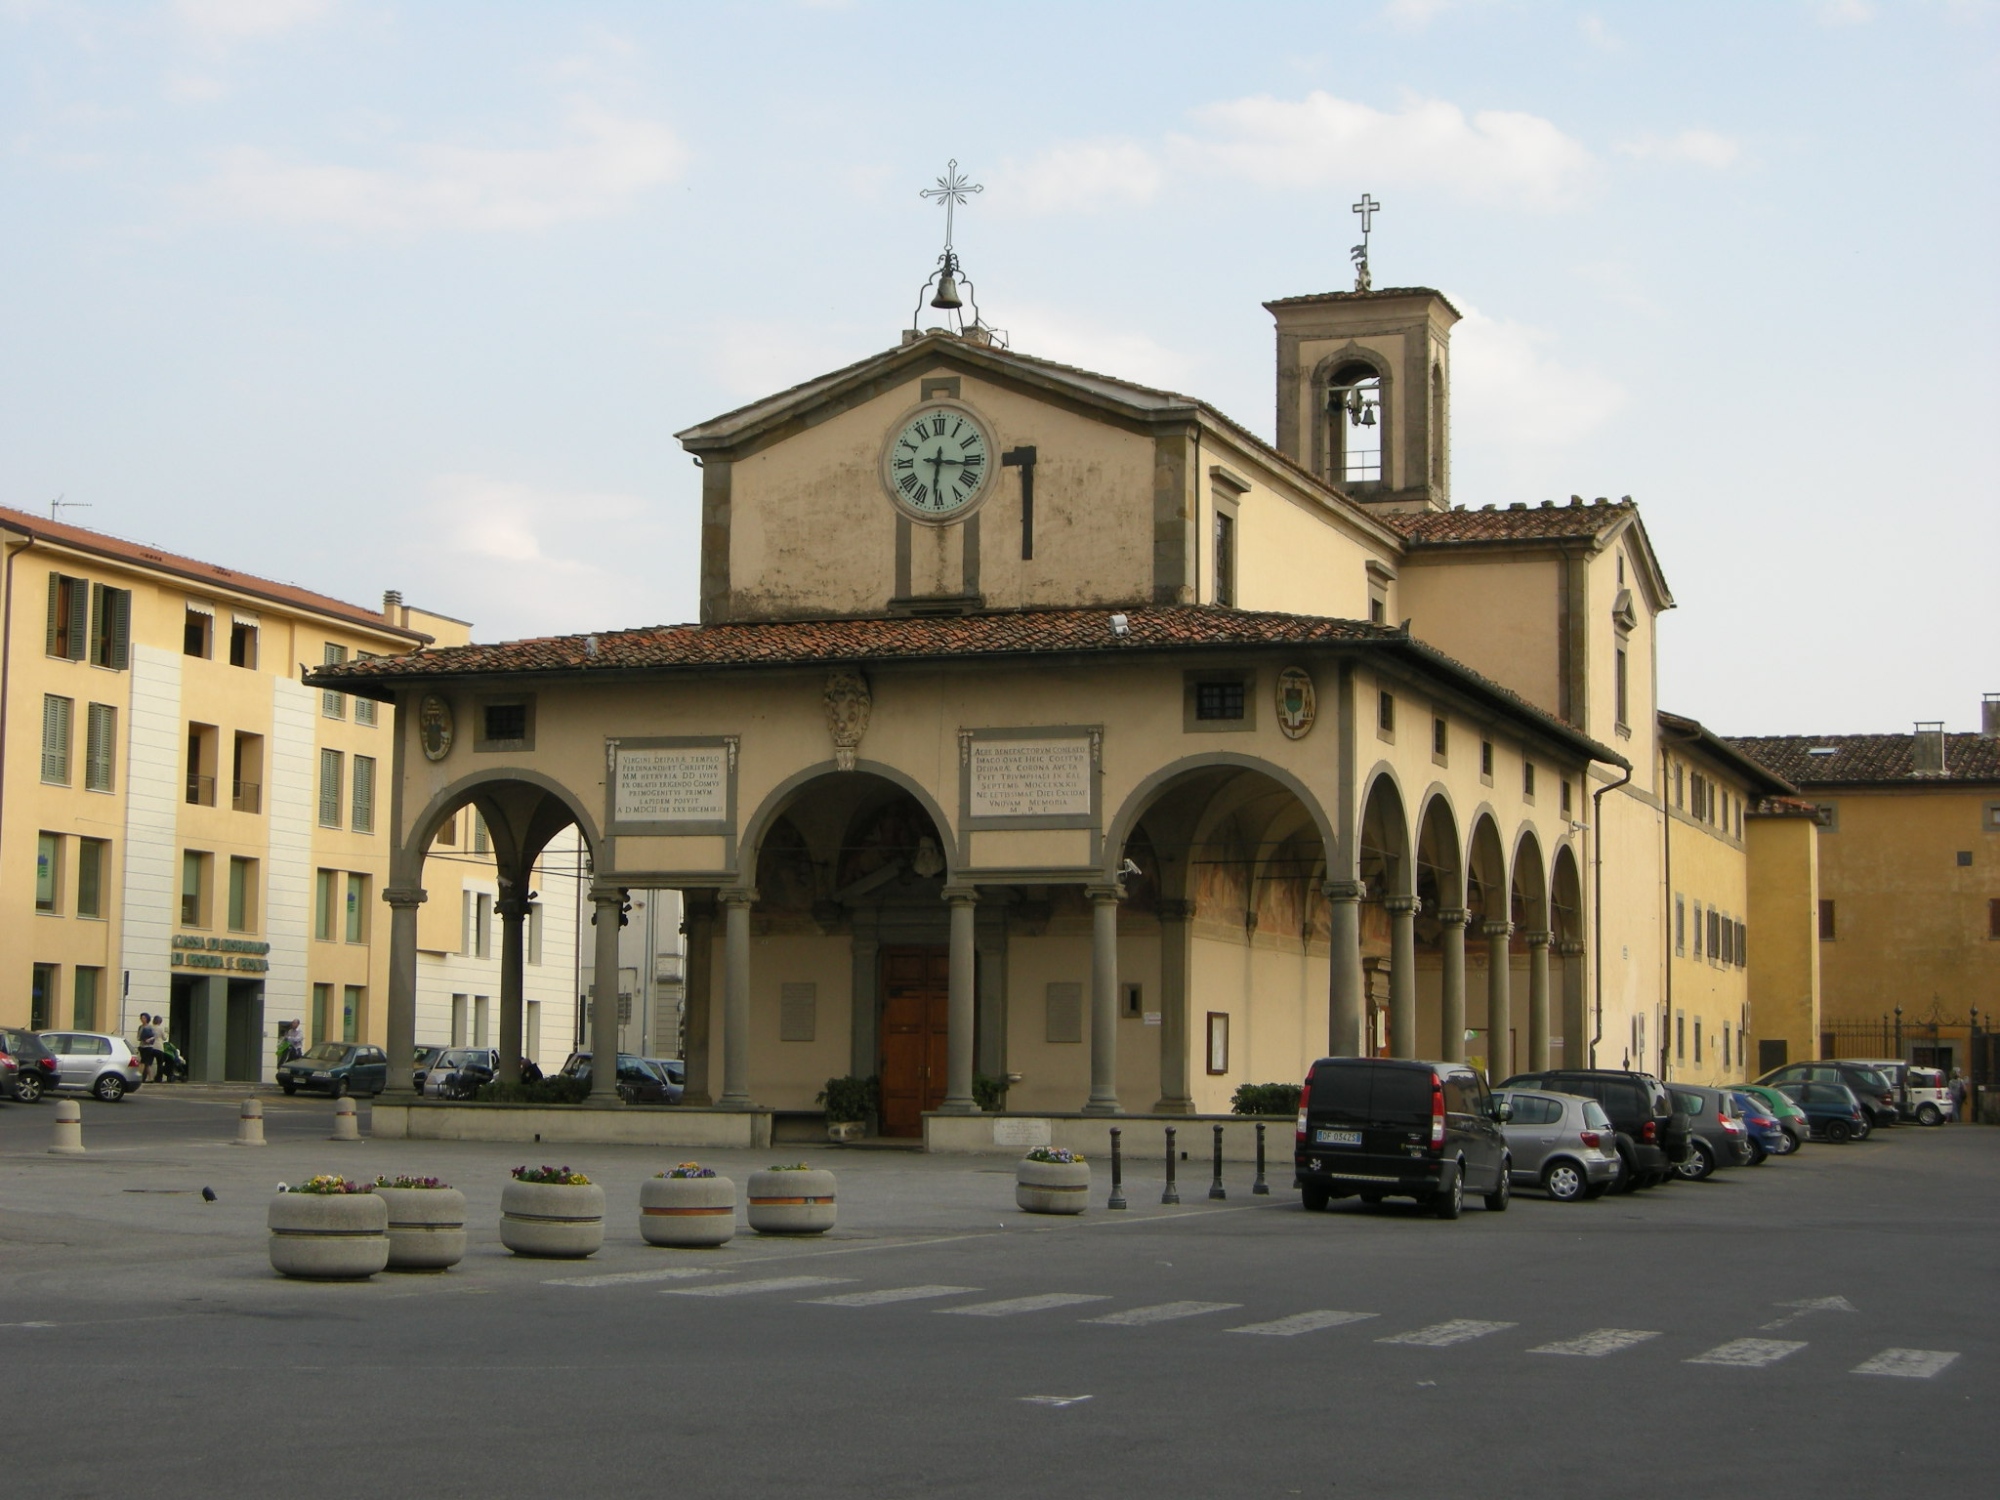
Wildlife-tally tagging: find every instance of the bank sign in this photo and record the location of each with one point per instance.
(237, 955)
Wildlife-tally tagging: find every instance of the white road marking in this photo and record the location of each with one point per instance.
(1807, 1305)
(1054, 1400)
(1748, 1354)
(890, 1294)
(744, 1288)
(1013, 1305)
(1597, 1343)
(1305, 1322)
(1911, 1364)
(620, 1278)
(1442, 1335)
(1163, 1312)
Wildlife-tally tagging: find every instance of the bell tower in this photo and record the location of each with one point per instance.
(1364, 392)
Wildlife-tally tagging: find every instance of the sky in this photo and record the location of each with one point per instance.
(365, 295)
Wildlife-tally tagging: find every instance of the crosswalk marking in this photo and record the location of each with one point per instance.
(1163, 1312)
(1305, 1322)
(889, 1294)
(1911, 1364)
(744, 1288)
(1441, 1335)
(619, 1278)
(1013, 1305)
(1749, 1354)
(1597, 1343)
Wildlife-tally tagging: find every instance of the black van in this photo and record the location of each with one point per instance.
(1653, 1136)
(1375, 1128)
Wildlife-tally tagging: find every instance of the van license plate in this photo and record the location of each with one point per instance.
(1337, 1137)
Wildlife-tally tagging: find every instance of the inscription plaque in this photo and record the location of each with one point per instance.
(1041, 778)
(682, 784)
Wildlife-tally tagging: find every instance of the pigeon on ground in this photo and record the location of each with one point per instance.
(208, 1195)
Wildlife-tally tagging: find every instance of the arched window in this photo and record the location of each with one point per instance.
(1355, 421)
(1437, 426)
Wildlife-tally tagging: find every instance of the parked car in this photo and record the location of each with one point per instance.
(458, 1072)
(426, 1056)
(337, 1068)
(637, 1083)
(1922, 1094)
(673, 1067)
(1760, 1125)
(1375, 1128)
(94, 1063)
(1561, 1143)
(27, 1067)
(1719, 1137)
(1877, 1096)
(1835, 1113)
(1653, 1138)
(1791, 1119)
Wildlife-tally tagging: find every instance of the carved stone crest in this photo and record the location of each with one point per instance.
(848, 705)
(434, 727)
(1298, 704)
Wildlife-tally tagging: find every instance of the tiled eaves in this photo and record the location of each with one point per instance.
(1764, 781)
(1872, 759)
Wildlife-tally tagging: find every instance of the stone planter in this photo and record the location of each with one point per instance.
(426, 1227)
(1052, 1187)
(328, 1236)
(846, 1130)
(557, 1222)
(687, 1211)
(791, 1202)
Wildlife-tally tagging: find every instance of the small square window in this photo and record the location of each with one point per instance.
(506, 724)
(1218, 700)
(1964, 858)
(1486, 759)
(1440, 738)
(1528, 778)
(1565, 797)
(1385, 713)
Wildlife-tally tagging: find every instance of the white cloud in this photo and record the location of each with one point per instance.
(1492, 156)
(241, 18)
(1079, 175)
(1844, 13)
(604, 163)
(753, 359)
(1700, 148)
(1514, 400)
(1056, 334)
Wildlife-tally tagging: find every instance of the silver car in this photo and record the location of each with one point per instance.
(1564, 1144)
(99, 1064)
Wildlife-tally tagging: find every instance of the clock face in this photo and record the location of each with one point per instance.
(939, 462)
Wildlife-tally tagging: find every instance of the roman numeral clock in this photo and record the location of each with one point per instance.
(937, 463)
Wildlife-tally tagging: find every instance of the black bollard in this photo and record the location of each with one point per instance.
(1117, 1171)
(1215, 1187)
(1260, 1188)
(1172, 1194)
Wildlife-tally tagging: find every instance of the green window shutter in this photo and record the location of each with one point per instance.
(364, 794)
(55, 613)
(55, 738)
(76, 612)
(100, 733)
(329, 788)
(118, 653)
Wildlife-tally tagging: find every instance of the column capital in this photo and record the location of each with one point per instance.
(512, 908)
(1570, 948)
(1101, 894)
(1344, 890)
(1401, 906)
(1454, 916)
(961, 895)
(403, 896)
(608, 893)
(1537, 938)
(738, 896)
(1174, 911)
(1496, 929)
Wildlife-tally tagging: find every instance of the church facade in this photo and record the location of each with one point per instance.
(1050, 739)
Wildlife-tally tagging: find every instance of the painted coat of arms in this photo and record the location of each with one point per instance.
(1298, 704)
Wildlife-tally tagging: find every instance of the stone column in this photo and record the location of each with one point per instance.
(1575, 1020)
(1538, 1001)
(1499, 1000)
(1402, 975)
(513, 911)
(1175, 1096)
(960, 1007)
(736, 998)
(1346, 1008)
(1451, 1009)
(698, 924)
(1103, 1001)
(402, 1036)
(608, 914)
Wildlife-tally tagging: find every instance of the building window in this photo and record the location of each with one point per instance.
(194, 889)
(357, 908)
(92, 855)
(1826, 921)
(242, 895)
(481, 1009)
(48, 872)
(1219, 700)
(1714, 934)
(1680, 1036)
(534, 932)
(1679, 778)
(1697, 929)
(1742, 945)
(1993, 918)
(1385, 712)
(1486, 760)
(56, 714)
(246, 773)
(100, 734)
(69, 604)
(482, 925)
(110, 627)
(1728, 948)
(1725, 1046)
(243, 644)
(1697, 1039)
(1565, 797)
(1528, 779)
(364, 794)
(323, 900)
(459, 1006)
(1225, 559)
(350, 1013)
(333, 705)
(198, 633)
(201, 765)
(1680, 926)
(365, 708)
(42, 997)
(87, 986)
(1622, 688)
(329, 788)
(322, 1004)
(1440, 740)
(1354, 425)
(447, 831)
(482, 841)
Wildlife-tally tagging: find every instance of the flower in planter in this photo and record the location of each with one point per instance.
(1061, 1156)
(687, 1169)
(329, 1183)
(411, 1182)
(797, 1166)
(551, 1176)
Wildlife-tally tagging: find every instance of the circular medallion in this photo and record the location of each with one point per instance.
(1298, 704)
(938, 462)
(434, 728)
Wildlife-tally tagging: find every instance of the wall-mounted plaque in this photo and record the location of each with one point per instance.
(671, 785)
(1029, 778)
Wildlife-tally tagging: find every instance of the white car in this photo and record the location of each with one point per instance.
(1922, 1094)
(94, 1063)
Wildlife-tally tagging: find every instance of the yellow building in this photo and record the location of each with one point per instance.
(185, 828)
(1908, 916)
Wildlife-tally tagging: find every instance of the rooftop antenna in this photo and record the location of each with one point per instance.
(60, 504)
(950, 192)
(1367, 208)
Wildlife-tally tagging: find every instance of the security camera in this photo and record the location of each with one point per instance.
(1129, 869)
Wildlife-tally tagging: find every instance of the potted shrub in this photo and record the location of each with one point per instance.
(849, 1102)
(552, 1212)
(426, 1223)
(795, 1199)
(328, 1229)
(688, 1205)
(1052, 1180)
(1266, 1099)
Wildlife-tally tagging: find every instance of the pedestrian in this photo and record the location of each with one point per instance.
(152, 1061)
(1958, 1093)
(529, 1072)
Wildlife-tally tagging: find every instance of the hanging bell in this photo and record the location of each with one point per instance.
(1368, 416)
(947, 294)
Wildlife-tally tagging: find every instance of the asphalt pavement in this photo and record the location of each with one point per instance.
(1824, 1325)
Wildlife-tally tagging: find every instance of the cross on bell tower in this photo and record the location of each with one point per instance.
(1367, 208)
(950, 193)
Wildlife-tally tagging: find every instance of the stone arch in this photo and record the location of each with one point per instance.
(781, 797)
(1486, 886)
(1382, 841)
(1528, 886)
(1439, 853)
(1566, 915)
(1139, 801)
(486, 790)
(1353, 361)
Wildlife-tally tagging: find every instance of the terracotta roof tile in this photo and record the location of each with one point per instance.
(1372, 294)
(1870, 759)
(1547, 522)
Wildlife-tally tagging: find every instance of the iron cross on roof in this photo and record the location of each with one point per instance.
(1366, 208)
(951, 189)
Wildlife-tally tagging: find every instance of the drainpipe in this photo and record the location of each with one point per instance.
(1597, 903)
(1667, 861)
(7, 657)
